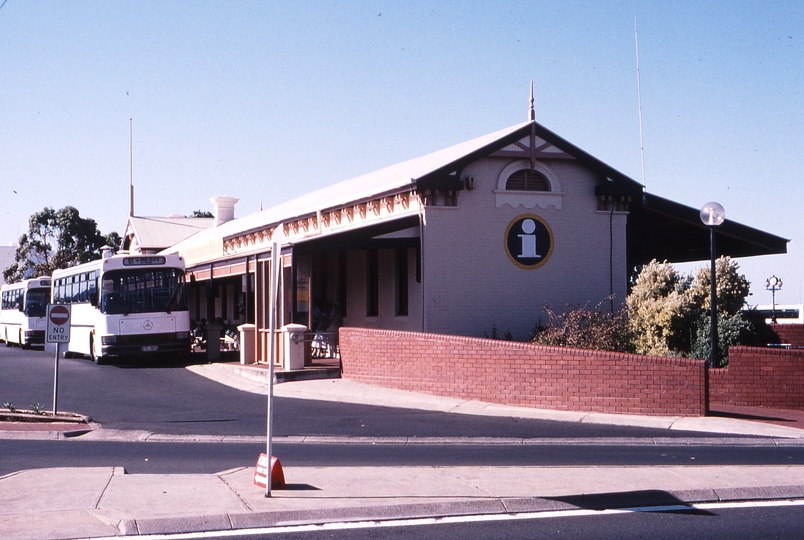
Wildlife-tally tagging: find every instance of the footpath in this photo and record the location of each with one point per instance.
(97, 502)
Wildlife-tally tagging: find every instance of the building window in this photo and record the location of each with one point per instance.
(527, 180)
(401, 291)
(528, 184)
(372, 284)
(342, 283)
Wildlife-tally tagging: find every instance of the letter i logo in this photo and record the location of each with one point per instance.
(528, 241)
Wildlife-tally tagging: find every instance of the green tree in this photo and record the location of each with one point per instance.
(732, 289)
(669, 313)
(201, 214)
(658, 310)
(57, 239)
(113, 240)
(731, 330)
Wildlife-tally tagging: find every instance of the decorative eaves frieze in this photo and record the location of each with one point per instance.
(326, 222)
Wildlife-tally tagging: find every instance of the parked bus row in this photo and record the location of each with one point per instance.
(783, 313)
(22, 312)
(121, 305)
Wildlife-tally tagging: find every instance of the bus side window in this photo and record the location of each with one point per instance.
(93, 289)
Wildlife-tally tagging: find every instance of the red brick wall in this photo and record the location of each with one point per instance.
(789, 333)
(514, 373)
(760, 377)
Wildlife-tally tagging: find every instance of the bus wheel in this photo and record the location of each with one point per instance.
(95, 357)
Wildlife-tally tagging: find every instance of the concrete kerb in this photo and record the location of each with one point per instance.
(445, 509)
(108, 435)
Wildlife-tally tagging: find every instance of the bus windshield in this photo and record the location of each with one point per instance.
(143, 291)
(36, 301)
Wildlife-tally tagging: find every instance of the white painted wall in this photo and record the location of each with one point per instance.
(470, 283)
(356, 293)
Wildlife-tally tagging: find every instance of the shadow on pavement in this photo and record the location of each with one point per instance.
(171, 361)
(746, 416)
(629, 499)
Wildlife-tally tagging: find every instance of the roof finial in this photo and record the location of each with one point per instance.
(531, 111)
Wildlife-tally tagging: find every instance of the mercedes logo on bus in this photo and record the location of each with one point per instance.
(147, 325)
(528, 241)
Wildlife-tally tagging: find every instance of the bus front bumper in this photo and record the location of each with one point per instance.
(147, 344)
(34, 337)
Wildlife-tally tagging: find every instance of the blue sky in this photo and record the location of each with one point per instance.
(266, 101)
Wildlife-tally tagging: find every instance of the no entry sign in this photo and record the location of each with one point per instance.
(58, 323)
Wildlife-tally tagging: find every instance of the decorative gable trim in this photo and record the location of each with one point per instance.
(532, 148)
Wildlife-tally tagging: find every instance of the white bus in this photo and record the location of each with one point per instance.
(126, 305)
(23, 307)
(785, 314)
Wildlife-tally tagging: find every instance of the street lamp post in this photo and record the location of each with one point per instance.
(773, 284)
(712, 215)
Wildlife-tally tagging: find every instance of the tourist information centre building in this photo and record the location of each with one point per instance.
(484, 233)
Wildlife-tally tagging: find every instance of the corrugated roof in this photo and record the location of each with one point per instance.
(162, 232)
(745, 240)
(387, 180)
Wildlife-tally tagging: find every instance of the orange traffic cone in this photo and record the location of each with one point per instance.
(277, 474)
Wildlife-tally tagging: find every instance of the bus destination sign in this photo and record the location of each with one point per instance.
(143, 261)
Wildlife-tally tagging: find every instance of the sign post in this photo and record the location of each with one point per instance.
(58, 332)
(276, 263)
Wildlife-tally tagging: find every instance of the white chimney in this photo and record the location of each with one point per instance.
(224, 209)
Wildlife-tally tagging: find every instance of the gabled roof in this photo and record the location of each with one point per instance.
(384, 181)
(681, 235)
(662, 229)
(162, 232)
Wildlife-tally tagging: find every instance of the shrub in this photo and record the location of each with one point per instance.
(586, 328)
(658, 311)
(732, 287)
(669, 313)
(507, 335)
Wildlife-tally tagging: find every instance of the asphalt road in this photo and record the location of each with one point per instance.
(713, 522)
(672, 524)
(170, 399)
(197, 458)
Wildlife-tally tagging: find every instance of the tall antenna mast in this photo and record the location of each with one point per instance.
(131, 164)
(639, 98)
